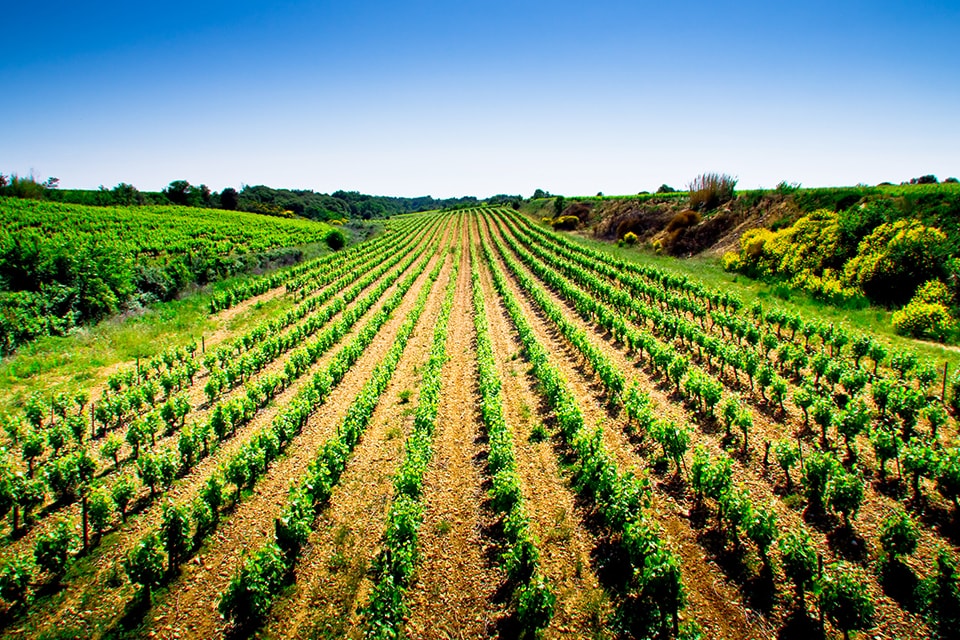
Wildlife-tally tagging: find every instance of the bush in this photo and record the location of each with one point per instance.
(923, 320)
(566, 223)
(144, 565)
(336, 239)
(934, 292)
(630, 238)
(710, 190)
(898, 534)
(683, 220)
(52, 549)
(896, 258)
(846, 601)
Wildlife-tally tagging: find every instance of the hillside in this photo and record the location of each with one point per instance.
(891, 246)
(470, 426)
(62, 265)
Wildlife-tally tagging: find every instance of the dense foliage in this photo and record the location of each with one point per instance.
(63, 265)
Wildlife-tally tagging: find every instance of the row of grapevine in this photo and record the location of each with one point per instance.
(656, 593)
(830, 358)
(533, 597)
(159, 469)
(393, 568)
(227, 416)
(826, 481)
(923, 454)
(259, 580)
(246, 466)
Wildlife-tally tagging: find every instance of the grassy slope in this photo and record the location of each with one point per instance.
(708, 270)
(65, 363)
(83, 357)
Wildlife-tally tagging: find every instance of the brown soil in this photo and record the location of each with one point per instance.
(116, 546)
(454, 594)
(190, 606)
(713, 600)
(750, 473)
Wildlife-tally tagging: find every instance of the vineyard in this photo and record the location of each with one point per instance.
(64, 265)
(471, 426)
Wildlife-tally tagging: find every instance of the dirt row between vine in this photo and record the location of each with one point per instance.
(456, 584)
(556, 517)
(774, 608)
(770, 425)
(91, 602)
(189, 608)
(330, 581)
(200, 412)
(714, 602)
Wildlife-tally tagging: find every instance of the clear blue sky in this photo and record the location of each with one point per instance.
(478, 98)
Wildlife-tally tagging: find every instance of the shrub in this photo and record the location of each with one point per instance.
(683, 220)
(630, 238)
(336, 239)
(731, 261)
(923, 320)
(144, 565)
(566, 223)
(896, 258)
(52, 549)
(934, 292)
(846, 601)
(710, 190)
(898, 534)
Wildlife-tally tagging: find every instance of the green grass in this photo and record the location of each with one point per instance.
(80, 359)
(708, 270)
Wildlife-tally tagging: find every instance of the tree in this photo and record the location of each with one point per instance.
(540, 193)
(126, 194)
(229, 199)
(178, 192)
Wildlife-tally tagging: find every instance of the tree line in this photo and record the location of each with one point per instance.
(254, 199)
